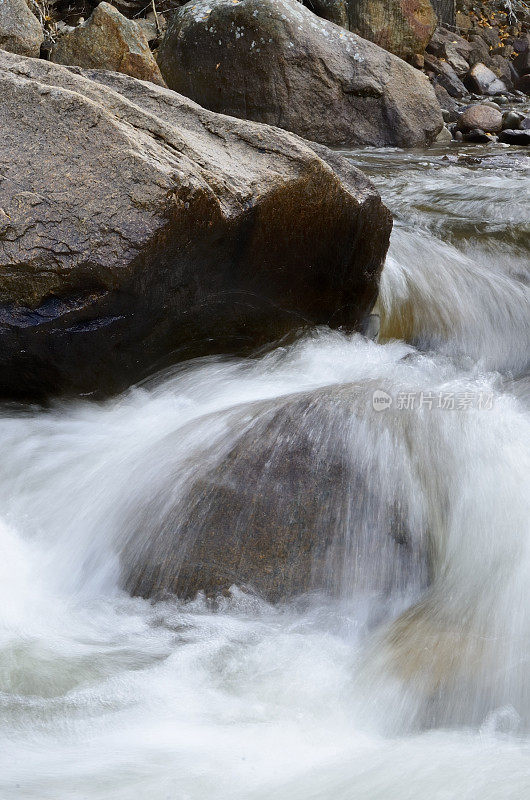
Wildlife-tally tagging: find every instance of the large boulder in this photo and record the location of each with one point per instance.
(108, 40)
(274, 61)
(285, 496)
(136, 229)
(403, 28)
(20, 30)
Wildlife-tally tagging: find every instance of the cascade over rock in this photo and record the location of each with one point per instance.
(137, 229)
(274, 61)
(290, 499)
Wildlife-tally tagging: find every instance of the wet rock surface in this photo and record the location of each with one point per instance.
(292, 506)
(159, 230)
(480, 116)
(517, 137)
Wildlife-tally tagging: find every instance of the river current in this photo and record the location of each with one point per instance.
(324, 697)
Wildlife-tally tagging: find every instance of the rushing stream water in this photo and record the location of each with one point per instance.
(107, 696)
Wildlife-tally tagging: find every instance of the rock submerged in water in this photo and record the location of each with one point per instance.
(138, 229)
(108, 40)
(274, 61)
(293, 498)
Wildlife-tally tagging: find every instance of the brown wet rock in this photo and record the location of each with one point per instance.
(480, 116)
(138, 229)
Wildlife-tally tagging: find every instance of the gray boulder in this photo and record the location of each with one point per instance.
(445, 76)
(482, 80)
(274, 61)
(20, 30)
(452, 47)
(137, 229)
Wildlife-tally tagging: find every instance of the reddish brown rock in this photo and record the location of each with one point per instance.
(482, 117)
(404, 27)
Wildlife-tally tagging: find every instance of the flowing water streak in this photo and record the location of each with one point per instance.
(106, 696)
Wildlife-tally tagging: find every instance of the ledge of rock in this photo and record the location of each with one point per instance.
(274, 61)
(137, 229)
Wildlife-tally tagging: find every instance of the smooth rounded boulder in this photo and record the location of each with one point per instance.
(282, 496)
(274, 61)
(138, 229)
(482, 117)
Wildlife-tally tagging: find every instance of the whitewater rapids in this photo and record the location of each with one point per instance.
(104, 696)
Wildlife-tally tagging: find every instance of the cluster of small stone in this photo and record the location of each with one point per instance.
(481, 73)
